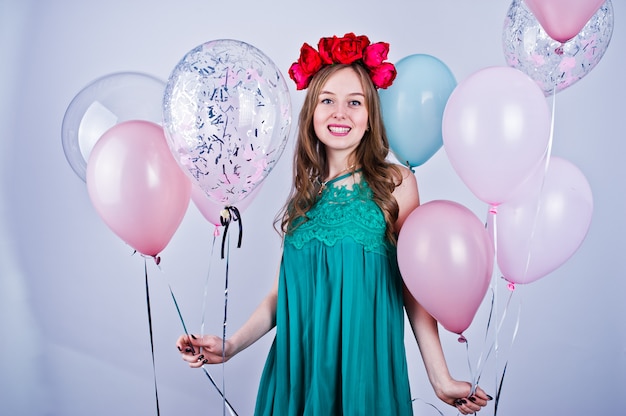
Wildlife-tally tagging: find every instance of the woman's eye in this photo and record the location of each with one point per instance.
(355, 103)
(326, 101)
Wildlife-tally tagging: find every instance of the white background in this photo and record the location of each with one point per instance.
(73, 321)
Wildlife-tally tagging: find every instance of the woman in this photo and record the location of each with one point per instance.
(338, 301)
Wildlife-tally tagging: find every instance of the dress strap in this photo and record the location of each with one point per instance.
(344, 176)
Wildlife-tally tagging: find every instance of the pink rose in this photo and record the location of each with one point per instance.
(299, 76)
(375, 54)
(383, 75)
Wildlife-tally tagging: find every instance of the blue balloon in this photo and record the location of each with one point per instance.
(413, 107)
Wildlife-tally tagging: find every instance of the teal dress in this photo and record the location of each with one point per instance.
(339, 345)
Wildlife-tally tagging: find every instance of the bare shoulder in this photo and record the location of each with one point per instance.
(406, 194)
(405, 182)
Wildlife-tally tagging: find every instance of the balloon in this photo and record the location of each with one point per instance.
(563, 19)
(136, 186)
(446, 259)
(227, 116)
(496, 129)
(413, 107)
(541, 229)
(212, 210)
(553, 65)
(103, 103)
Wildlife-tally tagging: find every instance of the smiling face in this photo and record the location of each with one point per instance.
(340, 118)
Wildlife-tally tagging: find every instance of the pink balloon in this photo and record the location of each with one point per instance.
(211, 210)
(446, 260)
(545, 225)
(136, 185)
(563, 19)
(496, 129)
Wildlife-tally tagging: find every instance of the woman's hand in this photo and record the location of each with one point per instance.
(457, 394)
(198, 351)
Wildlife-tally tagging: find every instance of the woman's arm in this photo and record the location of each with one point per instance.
(425, 327)
(198, 351)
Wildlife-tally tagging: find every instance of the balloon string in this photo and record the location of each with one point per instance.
(474, 377)
(206, 282)
(429, 404)
(493, 346)
(225, 320)
(206, 372)
(543, 181)
(229, 214)
(156, 392)
(501, 381)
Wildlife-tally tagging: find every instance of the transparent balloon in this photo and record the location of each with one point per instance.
(227, 116)
(553, 65)
(104, 103)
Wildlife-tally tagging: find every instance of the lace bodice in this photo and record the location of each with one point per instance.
(341, 212)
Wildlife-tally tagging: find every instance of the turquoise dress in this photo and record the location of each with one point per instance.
(339, 345)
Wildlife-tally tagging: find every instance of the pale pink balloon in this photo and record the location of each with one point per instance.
(545, 225)
(563, 19)
(136, 186)
(496, 129)
(446, 259)
(211, 210)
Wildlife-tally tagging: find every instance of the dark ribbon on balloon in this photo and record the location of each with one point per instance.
(229, 214)
(157, 261)
(206, 372)
(156, 392)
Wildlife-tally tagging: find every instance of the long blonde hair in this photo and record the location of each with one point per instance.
(310, 160)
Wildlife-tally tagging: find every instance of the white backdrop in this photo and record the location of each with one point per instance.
(73, 320)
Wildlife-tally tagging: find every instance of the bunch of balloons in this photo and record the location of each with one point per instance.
(210, 135)
(496, 129)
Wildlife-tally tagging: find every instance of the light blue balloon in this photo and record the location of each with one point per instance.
(413, 107)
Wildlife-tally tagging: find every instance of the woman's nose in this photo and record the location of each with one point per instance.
(339, 114)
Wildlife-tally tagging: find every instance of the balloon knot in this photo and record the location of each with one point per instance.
(462, 339)
(510, 285)
(493, 209)
(559, 50)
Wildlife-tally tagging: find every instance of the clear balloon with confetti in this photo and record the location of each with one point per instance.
(552, 64)
(227, 117)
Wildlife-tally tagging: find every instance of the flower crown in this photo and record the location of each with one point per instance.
(346, 50)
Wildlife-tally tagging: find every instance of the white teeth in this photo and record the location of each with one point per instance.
(341, 130)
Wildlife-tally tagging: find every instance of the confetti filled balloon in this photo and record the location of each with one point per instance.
(553, 65)
(227, 115)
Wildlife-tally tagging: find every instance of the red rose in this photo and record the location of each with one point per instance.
(383, 75)
(375, 54)
(308, 64)
(349, 48)
(310, 61)
(326, 46)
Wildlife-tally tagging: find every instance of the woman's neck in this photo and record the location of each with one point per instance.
(339, 165)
